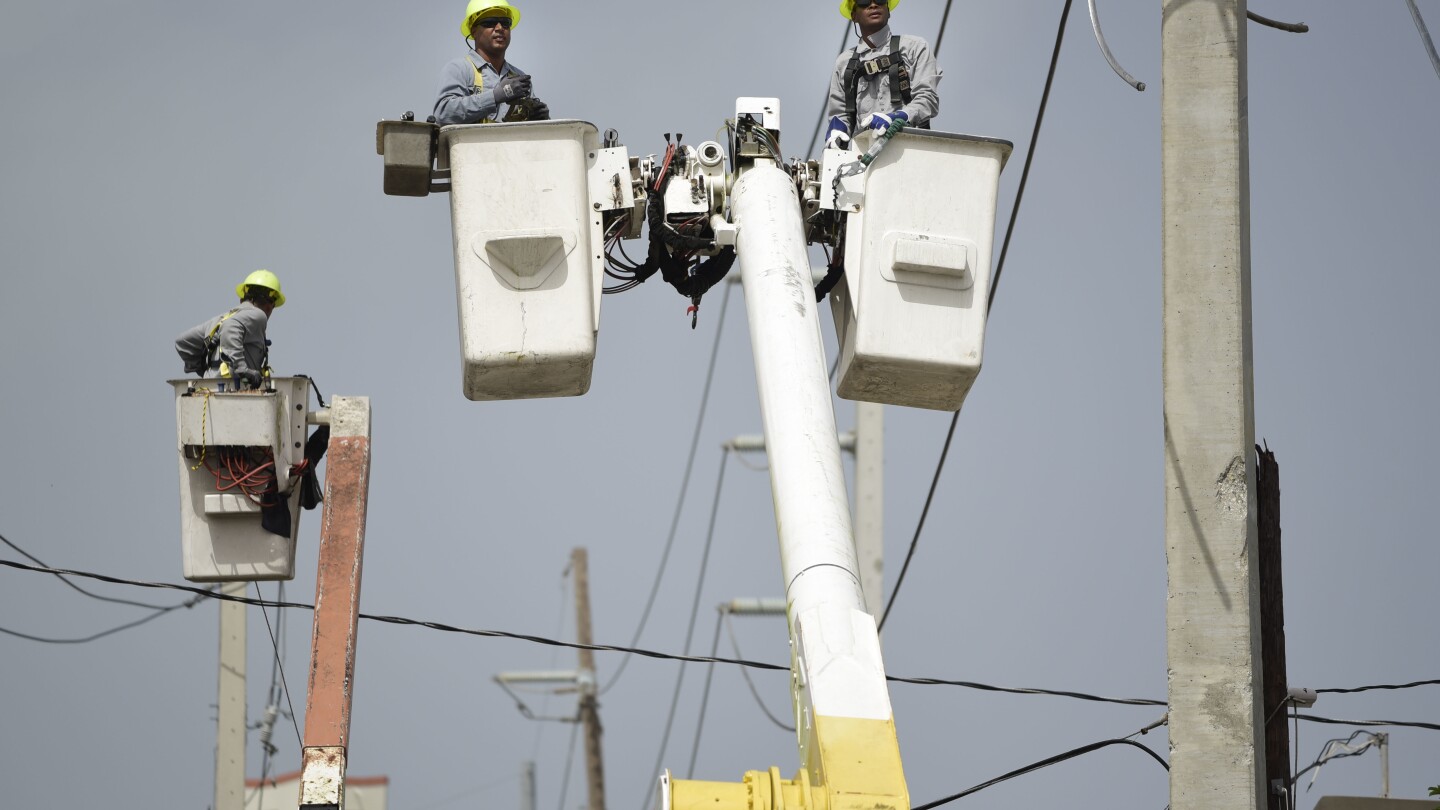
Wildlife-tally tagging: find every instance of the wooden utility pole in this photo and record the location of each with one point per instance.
(1272, 626)
(589, 707)
(1212, 616)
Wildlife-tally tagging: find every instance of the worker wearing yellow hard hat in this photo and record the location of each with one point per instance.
(233, 344)
(886, 77)
(482, 87)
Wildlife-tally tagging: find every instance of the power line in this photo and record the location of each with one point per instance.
(694, 612)
(705, 696)
(684, 487)
(994, 285)
(1399, 723)
(275, 644)
(940, 37)
(569, 760)
(1013, 690)
(1045, 763)
(920, 525)
(38, 561)
(1354, 689)
(820, 119)
(735, 644)
(112, 631)
(698, 659)
(1424, 36)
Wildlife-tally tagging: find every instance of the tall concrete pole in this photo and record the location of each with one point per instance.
(870, 502)
(589, 706)
(230, 739)
(1213, 614)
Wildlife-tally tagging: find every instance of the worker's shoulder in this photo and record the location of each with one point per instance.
(909, 42)
(247, 314)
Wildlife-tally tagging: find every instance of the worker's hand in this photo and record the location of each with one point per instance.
(837, 135)
(511, 88)
(539, 110)
(249, 378)
(883, 121)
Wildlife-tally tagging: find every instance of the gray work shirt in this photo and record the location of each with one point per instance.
(241, 336)
(872, 93)
(460, 101)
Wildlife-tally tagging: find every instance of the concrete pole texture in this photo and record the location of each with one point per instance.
(1213, 614)
(230, 737)
(870, 502)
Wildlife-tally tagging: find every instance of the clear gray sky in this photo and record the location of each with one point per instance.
(156, 152)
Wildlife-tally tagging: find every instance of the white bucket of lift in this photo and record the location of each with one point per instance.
(528, 246)
(910, 315)
(221, 539)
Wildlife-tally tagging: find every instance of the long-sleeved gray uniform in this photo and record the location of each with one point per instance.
(467, 91)
(242, 344)
(872, 92)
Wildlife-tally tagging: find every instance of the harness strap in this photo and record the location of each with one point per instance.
(892, 63)
(479, 85)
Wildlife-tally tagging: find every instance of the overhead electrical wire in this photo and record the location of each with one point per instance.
(1355, 689)
(32, 558)
(705, 696)
(1045, 763)
(745, 673)
(275, 645)
(684, 487)
(694, 613)
(820, 119)
(112, 631)
(1424, 36)
(401, 620)
(994, 285)
(569, 760)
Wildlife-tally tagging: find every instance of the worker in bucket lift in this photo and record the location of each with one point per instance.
(233, 345)
(885, 77)
(481, 87)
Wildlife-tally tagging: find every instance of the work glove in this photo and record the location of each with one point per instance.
(511, 88)
(837, 135)
(539, 110)
(248, 378)
(882, 121)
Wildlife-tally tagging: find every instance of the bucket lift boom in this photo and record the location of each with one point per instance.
(916, 227)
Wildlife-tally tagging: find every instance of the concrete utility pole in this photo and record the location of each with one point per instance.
(1213, 614)
(870, 502)
(337, 607)
(230, 739)
(589, 714)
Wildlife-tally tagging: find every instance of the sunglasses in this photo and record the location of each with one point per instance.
(868, 3)
(491, 22)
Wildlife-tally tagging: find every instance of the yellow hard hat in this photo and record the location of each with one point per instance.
(847, 8)
(262, 278)
(477, 8)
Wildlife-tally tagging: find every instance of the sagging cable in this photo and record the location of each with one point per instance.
(1110, 57)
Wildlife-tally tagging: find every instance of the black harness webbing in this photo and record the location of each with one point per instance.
(893, 63)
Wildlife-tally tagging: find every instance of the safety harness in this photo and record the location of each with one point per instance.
(480, 85)
(892, 63)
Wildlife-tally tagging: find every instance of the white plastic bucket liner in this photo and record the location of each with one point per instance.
(221, 539)
(910, 314)
(528, 265)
